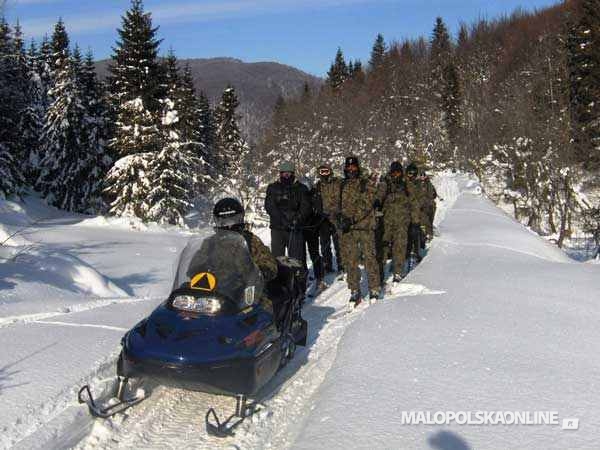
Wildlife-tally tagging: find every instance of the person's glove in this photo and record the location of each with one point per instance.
(344, 223)
(378, 213)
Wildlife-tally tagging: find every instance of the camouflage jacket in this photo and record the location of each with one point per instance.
(356, 202)
(430, 192)
(418, 200)
(398, 210)
(328, 196)
(261, 255)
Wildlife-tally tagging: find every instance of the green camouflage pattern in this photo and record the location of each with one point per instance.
(329, 193)
(356, 202)
(418, 199)
(261, 256)
(353, 245)
(396, 219)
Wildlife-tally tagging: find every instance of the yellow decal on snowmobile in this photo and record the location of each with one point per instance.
(204, 281)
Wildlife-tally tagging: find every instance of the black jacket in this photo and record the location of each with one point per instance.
(287, 204)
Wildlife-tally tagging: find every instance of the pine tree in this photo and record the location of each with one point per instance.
(63, 167)
(231, 149)
(358, 74)
(377, 53)
(11, 179)
(441, 50)
(32, 110)
(59, 46)
(207, 132)
(584, 75)
(135, 85)
(96, 161)
(451, 100)
(338, 72)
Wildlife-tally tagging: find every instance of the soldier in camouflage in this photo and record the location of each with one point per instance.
(327, 194)
(356, 222)
(398, 212)
(417, 198)
(429, 206)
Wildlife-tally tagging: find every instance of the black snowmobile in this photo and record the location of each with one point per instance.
(222, 330)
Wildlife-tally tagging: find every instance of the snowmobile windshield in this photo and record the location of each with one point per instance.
(220, 266)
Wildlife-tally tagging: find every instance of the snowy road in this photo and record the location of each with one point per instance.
(516, 330)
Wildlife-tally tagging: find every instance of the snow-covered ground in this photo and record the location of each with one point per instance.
(493, 319)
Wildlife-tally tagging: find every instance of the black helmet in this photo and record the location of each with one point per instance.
(228, 213)
(412, 170)
(396, 166)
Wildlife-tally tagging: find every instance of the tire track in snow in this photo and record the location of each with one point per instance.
(81, 307)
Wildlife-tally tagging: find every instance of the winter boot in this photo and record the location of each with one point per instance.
(373, 296)
(398, 277)
(355, 300)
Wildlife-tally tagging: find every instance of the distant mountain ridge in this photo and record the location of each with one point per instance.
(258, 85)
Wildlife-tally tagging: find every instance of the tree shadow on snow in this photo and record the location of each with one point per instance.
(7, 372)
(446, 440)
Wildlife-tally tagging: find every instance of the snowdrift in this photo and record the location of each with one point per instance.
(512, 327)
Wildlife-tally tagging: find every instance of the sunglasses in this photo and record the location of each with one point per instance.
(286, 174)
(324, 172)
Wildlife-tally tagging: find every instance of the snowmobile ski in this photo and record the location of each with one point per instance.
(84, 396)
(243, 410)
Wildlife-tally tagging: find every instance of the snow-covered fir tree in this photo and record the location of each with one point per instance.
(135, 93)
(11, 178)
(172, 172)
(63, 139)
(338, 72)
(377, 53)
(230, 147)
(135, 84)
(207, 131)
(31, 117)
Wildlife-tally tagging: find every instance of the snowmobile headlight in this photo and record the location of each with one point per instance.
(203, 305)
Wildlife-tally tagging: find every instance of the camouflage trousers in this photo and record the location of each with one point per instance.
(396, 238)
(354, 244)
(430, 215)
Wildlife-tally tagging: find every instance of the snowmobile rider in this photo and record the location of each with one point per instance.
(228, 214)
(396, 217)
(288, 205)
(327, 194)
(429, 206)
(356, 221)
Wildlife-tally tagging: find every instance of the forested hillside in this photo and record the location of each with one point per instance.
(513, 99)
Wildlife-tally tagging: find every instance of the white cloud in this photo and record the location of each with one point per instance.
(176, 12)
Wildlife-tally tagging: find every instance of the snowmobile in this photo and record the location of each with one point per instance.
(216, 332)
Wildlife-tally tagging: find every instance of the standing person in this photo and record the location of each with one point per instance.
(288, 205)
(416, 196)
(310, 232)
(397, 215)
(430, 195)
(356, 222)
(327, 194)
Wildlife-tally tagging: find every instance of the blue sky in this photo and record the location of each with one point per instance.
(301, 33)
